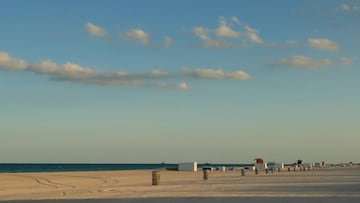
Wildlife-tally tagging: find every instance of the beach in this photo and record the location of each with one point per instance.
(340, 184)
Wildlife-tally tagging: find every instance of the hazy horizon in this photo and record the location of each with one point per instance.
(172, 81)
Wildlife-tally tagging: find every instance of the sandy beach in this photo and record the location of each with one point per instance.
(324, 185)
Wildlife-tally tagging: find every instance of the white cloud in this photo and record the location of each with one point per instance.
(238, 75)
(95, 30)
(324, 44)
(77, 73)
(73, 72)
(153, 74)
(180, 86)
(236, 20)
(346, 61)
(138, 35)
(207, 73)
(222, 20)
(68, 70)
(135, 35)
(215, 37)
(81, 74)
(351, 6)
(44, 67)
(226, 31)
(253, 35)
(167, 42)
(223, 31)
(183, 86)
(157, 73)
(217, 43)
(202, 33)
(100, 80)
(345, 7)
(299, 61)
(10, 63)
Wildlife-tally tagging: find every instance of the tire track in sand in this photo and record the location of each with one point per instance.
(106, 182)
(47, 182)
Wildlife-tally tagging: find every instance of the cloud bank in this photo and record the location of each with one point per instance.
(137, 35)
(77, 73)
(324, 44)
(346, 61)
(351, 6)
(207, 73)
(225, 34)
(299, 61)
(180, 86)
(10, 63)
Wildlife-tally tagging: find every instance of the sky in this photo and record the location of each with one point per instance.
(136, 81)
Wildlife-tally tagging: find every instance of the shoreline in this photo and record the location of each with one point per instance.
(89, 167)
(136, 184)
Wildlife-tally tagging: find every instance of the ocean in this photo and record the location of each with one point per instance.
(61, 167)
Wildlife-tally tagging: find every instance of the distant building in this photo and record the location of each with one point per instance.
(273, 165)
(188, 166)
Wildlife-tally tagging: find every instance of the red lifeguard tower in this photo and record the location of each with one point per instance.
(259, 160)
(260, 164)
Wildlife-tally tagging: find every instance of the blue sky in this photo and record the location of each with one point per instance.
(171, 81)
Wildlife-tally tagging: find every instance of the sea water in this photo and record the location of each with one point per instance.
(60, 167)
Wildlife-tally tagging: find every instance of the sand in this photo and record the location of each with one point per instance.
(325, 185)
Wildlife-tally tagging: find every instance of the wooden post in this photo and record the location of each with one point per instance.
(256, 171)
(206, 173)
(266, 170)
(242, 172)
(289, 169)
(155, 177)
